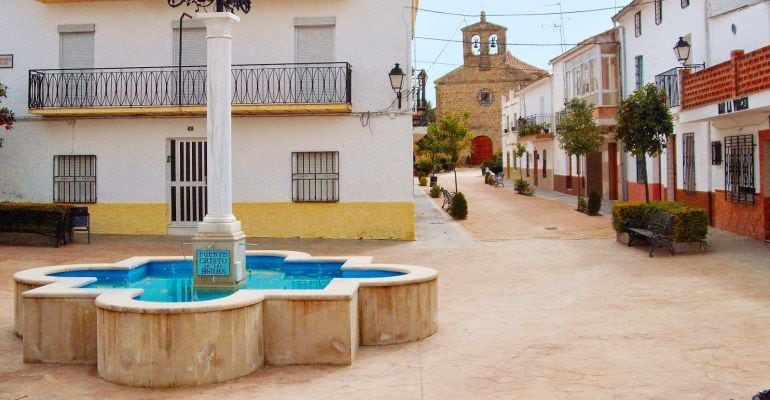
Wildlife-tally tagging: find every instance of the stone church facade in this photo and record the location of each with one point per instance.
(488, 71)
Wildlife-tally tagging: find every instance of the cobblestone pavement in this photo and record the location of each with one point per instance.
(526, 312)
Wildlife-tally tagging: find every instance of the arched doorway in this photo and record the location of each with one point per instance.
(481, 149)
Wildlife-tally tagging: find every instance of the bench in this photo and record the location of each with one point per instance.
(499, 180)
(448, 196)
(53, 224)
(657, 232)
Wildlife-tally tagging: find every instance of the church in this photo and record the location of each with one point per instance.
(488, 71)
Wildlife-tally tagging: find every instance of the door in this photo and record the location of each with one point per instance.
(537, 157)
(612, 152)
(594, 173)
(481, 149)
(187, 182)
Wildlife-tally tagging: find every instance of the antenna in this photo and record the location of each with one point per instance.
(560, 25)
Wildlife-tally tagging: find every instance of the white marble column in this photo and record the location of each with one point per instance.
(219, 246)
(219, 120)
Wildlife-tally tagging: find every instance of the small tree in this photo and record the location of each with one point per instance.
(644, 124)
(578, 134)
(6, 116)
(519, 151)
(453, 131)
(431, 146)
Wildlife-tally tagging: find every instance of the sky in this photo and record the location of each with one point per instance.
(438, 57)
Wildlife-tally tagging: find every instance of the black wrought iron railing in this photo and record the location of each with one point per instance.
(537, 121)
(669, 82)
(253, 84)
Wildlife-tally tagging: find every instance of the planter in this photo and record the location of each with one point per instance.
(679, 247)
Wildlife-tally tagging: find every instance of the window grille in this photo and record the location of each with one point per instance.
(639, 71)
(545, 175)
(685, 3)
(739, 169)
(658, 11)
(716, 153)
(315, 177)
(638, 24)
(641, 168)
(74, 179)
(688, 155)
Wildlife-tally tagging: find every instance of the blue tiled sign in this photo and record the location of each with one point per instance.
(213, 262)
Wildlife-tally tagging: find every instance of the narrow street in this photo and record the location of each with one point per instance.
(526, 312)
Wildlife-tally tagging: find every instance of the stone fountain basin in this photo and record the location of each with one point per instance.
(154, 344)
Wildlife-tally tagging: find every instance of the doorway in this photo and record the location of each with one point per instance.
(186, 171)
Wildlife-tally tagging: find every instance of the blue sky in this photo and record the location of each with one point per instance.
(521, 29)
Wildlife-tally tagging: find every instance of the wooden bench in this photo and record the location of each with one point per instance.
(657, 232)
(448, 196)
(499, 180)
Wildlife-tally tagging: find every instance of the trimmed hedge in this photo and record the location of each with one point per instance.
(690, 223)
(459, 207)
(47, 219)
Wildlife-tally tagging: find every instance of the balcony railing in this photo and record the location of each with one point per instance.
(253, 84)
(669, 82)
(536, 123)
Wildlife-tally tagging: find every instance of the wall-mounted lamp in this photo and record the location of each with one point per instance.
(396, 81)
(682, 51)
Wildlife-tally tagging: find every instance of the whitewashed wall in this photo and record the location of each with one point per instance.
(752, 31)
(375, 161)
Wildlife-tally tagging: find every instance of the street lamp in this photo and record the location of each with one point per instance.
(422, 77)
(220, 5)
(682, 51)
(396, 81)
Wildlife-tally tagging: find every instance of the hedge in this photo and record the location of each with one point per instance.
(690, 223)
(44, 218)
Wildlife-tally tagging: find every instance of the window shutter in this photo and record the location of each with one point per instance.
(76, 50)
(193, 46)
(315, 44)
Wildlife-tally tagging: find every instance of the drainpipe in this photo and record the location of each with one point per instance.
(621, 86)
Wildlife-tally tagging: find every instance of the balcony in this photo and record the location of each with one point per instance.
(742, 75)
(669, 82)
(537, 124)
(316, 88)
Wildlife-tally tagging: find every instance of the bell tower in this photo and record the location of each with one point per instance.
(484, 44)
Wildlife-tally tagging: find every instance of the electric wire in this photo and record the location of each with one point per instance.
(538, 14)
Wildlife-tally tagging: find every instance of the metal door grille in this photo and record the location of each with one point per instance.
(688, 155)
(739, 169)
(188, 193)
(74, 179)
(315, 177)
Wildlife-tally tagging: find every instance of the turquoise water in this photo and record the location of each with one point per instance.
(171, 281)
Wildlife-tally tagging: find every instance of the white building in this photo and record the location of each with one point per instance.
(720, 113)
(320, 148)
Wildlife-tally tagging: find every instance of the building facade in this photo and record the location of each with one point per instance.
(109, 115)
(488, 71)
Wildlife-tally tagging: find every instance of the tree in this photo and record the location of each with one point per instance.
(519, 151)
(6, 116)
(644, 124)
(578, 134)
(431, 145)
(453, 131)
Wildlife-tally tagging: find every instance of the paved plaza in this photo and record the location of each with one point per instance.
(536, 301)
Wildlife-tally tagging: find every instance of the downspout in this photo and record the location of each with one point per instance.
(623, 154)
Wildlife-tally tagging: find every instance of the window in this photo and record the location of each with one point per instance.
(545, 175)
(582, 76)
(485, 97)
(639, 71)
(193, 90)
(688, 155)
(76, 46)
(739, 169)
(74, 179)
(475, 45)
(493, 44)
(638, 24)
(315, 177)
(685, 3)
(314, 39)
(658, 11)
(641, 168)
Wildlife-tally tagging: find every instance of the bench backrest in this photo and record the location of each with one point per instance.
(661, 222)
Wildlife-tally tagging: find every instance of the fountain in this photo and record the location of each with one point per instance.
(219, 324)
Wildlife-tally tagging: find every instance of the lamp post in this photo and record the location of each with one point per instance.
(396, 81)
(422, 77)
(219, 5)
(682, 50)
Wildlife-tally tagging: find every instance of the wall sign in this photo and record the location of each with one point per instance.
(729, 106)
(6, 60)
(212, 262)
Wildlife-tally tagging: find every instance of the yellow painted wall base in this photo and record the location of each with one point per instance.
(129, 218)
(375, 220)
(393, 221)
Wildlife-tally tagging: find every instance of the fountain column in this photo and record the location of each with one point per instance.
(219, 245)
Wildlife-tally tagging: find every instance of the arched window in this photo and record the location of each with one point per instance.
(494, 46)
(475, 45)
